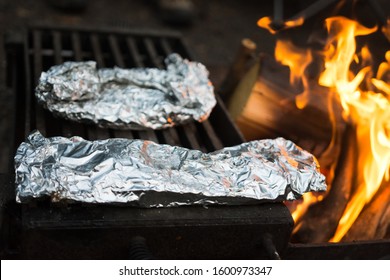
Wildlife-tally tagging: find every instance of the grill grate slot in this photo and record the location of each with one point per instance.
(97, 51)
(37, 64)
(76, 47)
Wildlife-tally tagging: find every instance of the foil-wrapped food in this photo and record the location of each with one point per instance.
(136, 98)
(143, 173)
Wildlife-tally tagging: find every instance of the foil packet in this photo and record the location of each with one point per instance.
(143, 173)
(137, 98)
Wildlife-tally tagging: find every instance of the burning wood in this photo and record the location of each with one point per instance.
(371, 222)
(310, 127)
(383, 230)
(364, 98)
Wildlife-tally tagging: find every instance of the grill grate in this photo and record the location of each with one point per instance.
(103, 231)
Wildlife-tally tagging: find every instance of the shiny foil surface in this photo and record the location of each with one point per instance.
(143, 173)
(136, 98)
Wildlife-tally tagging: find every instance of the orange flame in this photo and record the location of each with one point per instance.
(368, 110)
(266, 23)
(308, 199)
(297, 60)
(365, 101)
(381, 82)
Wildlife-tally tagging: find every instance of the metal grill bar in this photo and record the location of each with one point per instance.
(116, 51)
(135, 55)
(97, 52)
(76, 45)
(37, 53)
(56, 36)
(57, 44)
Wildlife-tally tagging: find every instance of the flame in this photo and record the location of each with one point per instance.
(381, 82)
(267, 23)
(297, 60)
(308, 199)
(368, 110)
(365, 100)
(384, 68)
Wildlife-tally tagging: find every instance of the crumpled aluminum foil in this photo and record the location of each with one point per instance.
(147, 174)
(136, 98)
